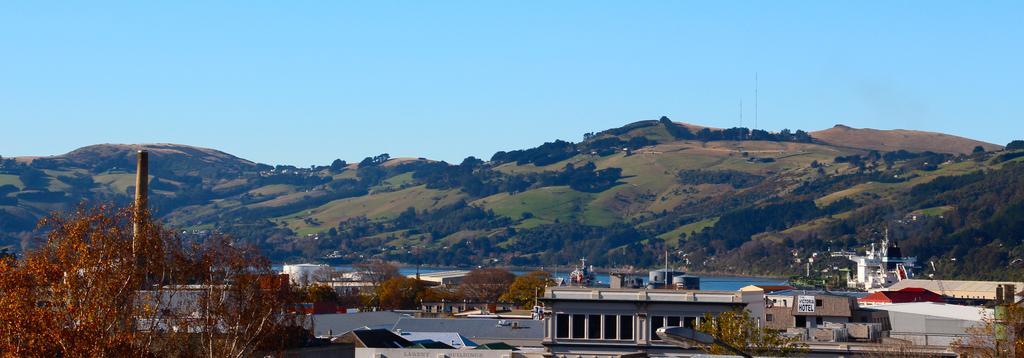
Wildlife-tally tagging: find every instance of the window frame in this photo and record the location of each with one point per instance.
(624, 321)
(591, 328)
(579, 327)
(561, 318)
(609, 321)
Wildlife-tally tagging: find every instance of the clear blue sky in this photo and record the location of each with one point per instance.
(303, 83)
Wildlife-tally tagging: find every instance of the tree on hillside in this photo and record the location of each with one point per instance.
(1015, 145)
(978, 149)
(675, 130)
(739, 330)
(376, 160)
(337, 165)
(33, 178)
(93, 288)
(526, 288)
(486, 285)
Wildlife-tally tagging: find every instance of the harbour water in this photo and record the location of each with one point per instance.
(716, 283)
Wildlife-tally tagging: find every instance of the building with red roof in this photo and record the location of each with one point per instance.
(906, 295)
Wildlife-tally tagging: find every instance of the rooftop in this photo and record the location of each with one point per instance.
(942, 310)
(453, 339)
(768, 288)
(305, 265)
(632, 295)
(374, 338)
(337, 324)
(853, 294)
(955, 288)
(443, 274)
(475, 328)
(910, 294)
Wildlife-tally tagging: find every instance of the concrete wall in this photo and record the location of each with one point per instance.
(927, 330)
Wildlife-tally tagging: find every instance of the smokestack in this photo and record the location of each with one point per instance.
(141, 189)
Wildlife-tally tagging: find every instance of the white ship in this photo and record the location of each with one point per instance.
(882, 268)
(583, 276)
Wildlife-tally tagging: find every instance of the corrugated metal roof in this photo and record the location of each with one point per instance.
(475, 328)
(943, 310)
(441, 274)
(854, 294)
(450, 338)
(955, 288)
(912, 294)
(338, 324)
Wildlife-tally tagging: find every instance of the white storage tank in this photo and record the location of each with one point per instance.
(304, 274)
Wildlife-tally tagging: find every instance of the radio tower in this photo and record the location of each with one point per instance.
(755, 100)
(741, 112)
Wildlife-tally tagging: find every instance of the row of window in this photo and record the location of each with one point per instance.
(594, 326)
(612, 327)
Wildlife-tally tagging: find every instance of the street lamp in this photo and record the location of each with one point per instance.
(685, 337)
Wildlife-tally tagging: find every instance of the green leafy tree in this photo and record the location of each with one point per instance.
(1015, 145)
(738, 329)
(34, 179)
(321, 293)
(337, 165)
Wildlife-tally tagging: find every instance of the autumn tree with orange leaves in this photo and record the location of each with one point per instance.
(93, 288)
(486, 285)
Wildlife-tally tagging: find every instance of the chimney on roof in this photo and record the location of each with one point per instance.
(141, 192)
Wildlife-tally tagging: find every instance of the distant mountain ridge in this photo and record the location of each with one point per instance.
(177, 158)
(730, 199)
(897, 139)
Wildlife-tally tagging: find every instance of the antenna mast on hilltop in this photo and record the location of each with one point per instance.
(741, 112)
(755, 100)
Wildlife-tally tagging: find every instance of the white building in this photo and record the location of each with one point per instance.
(304, 274)
(443, 278)
(930, 323)
(604, 322)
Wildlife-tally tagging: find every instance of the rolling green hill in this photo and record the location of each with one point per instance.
(727, 200)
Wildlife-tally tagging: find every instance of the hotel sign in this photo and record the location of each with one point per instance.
(805, 304)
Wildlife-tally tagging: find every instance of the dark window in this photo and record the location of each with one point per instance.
(672, 322)
(769, 317)
(656, 322)
(594, 327)
(817, 303)
(579, 326)
(690, 322)
(626, 327)
(818, 320)
(610, 326)
(562, 326)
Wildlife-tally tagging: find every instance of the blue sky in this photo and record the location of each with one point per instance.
(303, 83)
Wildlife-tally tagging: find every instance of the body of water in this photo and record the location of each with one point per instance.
(715, 283)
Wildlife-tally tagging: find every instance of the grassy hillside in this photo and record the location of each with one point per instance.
(717, 197)
(892, 140)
